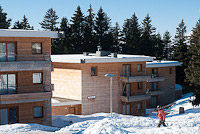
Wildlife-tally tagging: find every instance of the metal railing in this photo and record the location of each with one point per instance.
(26, 89)
(15, 57)
(135, 93)
(133, 74)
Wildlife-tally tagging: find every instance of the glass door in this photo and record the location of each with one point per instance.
(7, 52)
(11, 51)
(126, 70)
(7, 84)
(2, 51)
(3, 116)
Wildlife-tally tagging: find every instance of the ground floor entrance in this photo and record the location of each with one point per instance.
(8, 115)
(134, 108)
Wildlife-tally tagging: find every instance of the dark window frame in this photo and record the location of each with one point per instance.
(94, 74)
(8, 110)
(140, 106)
(15, 44)
(16, 79)
(41, 78)
(32, 47)
(140, 67)
(42, 112)
(139, 87)
(170, 70)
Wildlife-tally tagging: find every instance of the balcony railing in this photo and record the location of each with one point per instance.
(156, 92)
(26, 89)
(141, 78)
(136, 96)
(14, 57)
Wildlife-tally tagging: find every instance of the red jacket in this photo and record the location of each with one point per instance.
(161, 114)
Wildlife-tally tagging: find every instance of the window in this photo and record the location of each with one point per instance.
(7, 52)
(139, 106)
(8, 116)
(7, 83)
(126, 89)
(139, 85)
(36, 48)
(139, 67)
(37, 78)
(93, 71)
(155, 72)
(154, 85)
(38, 112)
(170, 70)
(126, 70)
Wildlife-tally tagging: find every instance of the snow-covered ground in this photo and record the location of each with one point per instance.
(187, 123)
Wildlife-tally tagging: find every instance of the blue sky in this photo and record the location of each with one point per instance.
(165, 14)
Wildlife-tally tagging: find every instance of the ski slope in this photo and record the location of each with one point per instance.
(101, 123)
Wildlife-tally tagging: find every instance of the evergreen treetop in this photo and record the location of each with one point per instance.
(4, 22)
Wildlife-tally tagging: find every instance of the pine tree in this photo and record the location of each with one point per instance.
(89, 41)
(23, 25)
(193, 69)
(50, 20)
(158, 46)
(102, 29)
(4, 22)
(148, 31)
(17, 25)
(167, 45)
(180, 51)
(77, 28)
(117, 39)
(131, 31)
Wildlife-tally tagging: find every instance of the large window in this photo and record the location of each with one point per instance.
(37, 78)
(139, 67)
(155, 72)
(8, 116)
(38, 112)
(139, 106)
(7, 52)
(154, 85)
(126, 70)
(7, 83)
(126, 89)
(93, 71)
(139, 85)
(36, 48)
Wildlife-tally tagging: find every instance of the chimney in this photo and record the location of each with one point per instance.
(114, 55)
(101, 53)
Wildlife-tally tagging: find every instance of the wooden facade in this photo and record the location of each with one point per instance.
(25, 94)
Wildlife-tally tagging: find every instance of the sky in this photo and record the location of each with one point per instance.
(165, 14)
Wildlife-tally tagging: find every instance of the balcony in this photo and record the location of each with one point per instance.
(25, 63)
(141, 96)
(156, 92)
(141, 78)
(25, 94)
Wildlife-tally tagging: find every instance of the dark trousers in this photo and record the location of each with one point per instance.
(161, 122)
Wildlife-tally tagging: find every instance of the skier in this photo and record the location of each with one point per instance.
(161, 116)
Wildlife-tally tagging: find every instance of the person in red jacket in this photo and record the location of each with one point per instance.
(161, 116)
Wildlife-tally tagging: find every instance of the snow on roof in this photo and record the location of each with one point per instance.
(162, 64)
(80, 58)
(27, 33)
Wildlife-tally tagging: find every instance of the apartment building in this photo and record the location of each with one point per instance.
(25, 76)
(139, 82)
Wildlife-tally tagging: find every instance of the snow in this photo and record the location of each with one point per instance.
(162, 64)
(32, 127)
(102, 123)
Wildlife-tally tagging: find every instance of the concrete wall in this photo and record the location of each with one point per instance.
(67, 78)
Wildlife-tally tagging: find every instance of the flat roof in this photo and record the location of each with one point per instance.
(162, 64)
(27, 33)
(80, 58)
